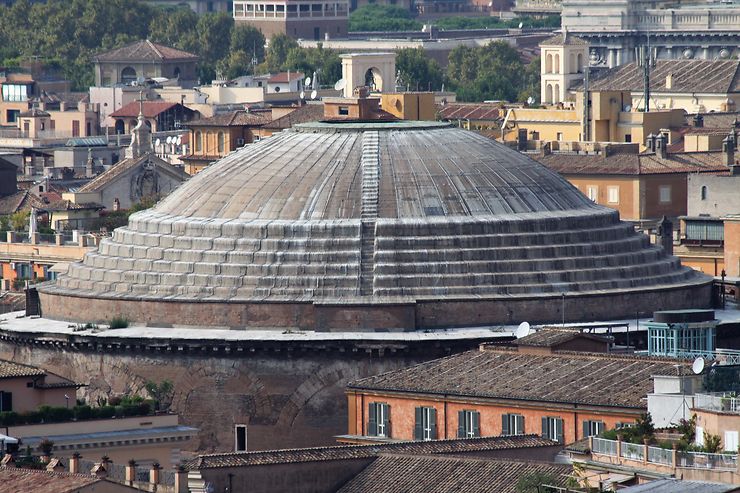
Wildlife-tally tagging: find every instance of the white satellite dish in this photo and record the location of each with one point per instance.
(698, 366)
(522, 330)
(307, 82)
(521, 24)
(169, 140)
(314, 93)
(179, 140)
(530, 100)
(628, 108)
(340, 85)
(157, 142)
(159, 80)
(303, 95)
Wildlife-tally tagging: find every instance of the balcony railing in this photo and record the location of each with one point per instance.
(605, 447)
(720, 402)
(701, 460)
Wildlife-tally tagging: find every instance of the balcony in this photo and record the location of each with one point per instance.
(721, 402)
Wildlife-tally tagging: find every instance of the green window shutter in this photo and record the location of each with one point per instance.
(545, 433)
(372, 419)
(559, 430)
(433, 423)
(419, 424)
(476, 424)
(520, 424)
(586, 431)
(505, 424)
(387, 419)
(461, 424)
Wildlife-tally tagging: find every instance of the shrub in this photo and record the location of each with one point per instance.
(114, 400)
(104, 412)
(118, 323)
(712, 443)
(83, 412)
(8, 418)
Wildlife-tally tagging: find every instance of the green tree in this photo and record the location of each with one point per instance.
(162, 393)
(530, 86)
(277, 52)
(417, 70)
(309, 60)
(214, 39)
(493, 71)
(175, 27)
(249, 40)
(374, 17)
(712, 443)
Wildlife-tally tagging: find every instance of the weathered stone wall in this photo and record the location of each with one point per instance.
(288, 394)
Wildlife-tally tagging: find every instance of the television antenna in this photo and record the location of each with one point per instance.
(522, 330)
(698, 366)
(314, 93)
(340, 85)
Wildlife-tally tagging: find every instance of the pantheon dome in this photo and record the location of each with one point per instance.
(373, 226)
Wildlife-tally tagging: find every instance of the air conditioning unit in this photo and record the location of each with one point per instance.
(240, 142)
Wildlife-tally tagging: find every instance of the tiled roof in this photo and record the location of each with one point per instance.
(567, 377)
(282, 77)
(144, 51)
(672, 485)
(403, 474)
(692, 76)
(557, 40)
(9, 369)
(239, 118)
(16, 480)
(717, 120)
(306, 113)
(554, 336)
(469, 111)
(150, 109)
(632, 164)
(19, 201)
(344, 452)
(33, 112)
(118, 169)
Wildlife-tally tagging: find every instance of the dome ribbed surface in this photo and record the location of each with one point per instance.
(327, 212)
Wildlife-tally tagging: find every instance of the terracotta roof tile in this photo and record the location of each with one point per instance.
(150, 109)
(282, 77)
(20, 201)
(144, 51)
(344, 452)
(568, 377)
(9, 369)
(706, 76)
(468, 111)
(239, 118)
(306, 113)
(554, 336)
(121, 167)
(632, 164)
(16, 480)
(557, 40)
(717, 120)
(402, 474)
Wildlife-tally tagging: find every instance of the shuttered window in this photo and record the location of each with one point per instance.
(592, 428)
(379, 420)
(425, 426)
(468, 424)
(552, 429)
(512, 424)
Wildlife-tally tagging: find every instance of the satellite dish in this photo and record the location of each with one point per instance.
(522, 330)
(159, 80)
(157, 142)
(314, 93)
(698, 366)
(307, 82)
(179, 140)
(521, 24)
(340, 85)
(530, 100)
(628, 108)
(303, 95)
(169, 140)
(140, 80)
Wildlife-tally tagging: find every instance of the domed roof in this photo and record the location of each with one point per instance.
(323, 171)
(362, 222)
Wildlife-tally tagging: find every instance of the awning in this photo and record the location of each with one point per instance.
(7, 439)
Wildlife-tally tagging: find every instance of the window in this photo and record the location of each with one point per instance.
(6, 401)
(592, 428)
(468, 424)
(379, 420)
(512, 424)
(75, 128)
(699, 440)
(198, 142)
(15, 92)
(552, 429)
(704, 192)
(425, 427)
(665, 194)
(560, 136)
(221, 142)
(628, 137)
(612, 195)
(592, 192)
(240, 438)
(12, 115)
(344, 110)
(730, 441)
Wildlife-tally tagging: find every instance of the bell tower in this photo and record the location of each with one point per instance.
(563, 59)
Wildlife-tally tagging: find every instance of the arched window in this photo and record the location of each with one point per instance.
(548, 64)
(704, 192)
(176, 72)
(556, 93)
(128, 75)
(198, 141)
(548, 93)
(556, 67)
(579, 63)
(221, 142)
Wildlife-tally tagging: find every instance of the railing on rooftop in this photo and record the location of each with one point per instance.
(721, 401)
(658, 455)
(633, 451)
(702, 460)
(604, 447)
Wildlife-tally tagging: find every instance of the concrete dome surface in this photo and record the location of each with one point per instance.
(396, 225)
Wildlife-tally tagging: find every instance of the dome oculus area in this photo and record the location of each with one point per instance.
(373, 226)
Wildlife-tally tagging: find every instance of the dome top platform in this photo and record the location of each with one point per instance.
(373, 225)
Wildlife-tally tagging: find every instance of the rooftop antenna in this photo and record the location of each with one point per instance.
(522, 330)
(254, 55)
(698, 365)
(647, 62)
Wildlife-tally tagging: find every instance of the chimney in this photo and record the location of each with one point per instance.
(154, 474)
(650, 143)
(181, 480)
(130, 476)
(665, 233)
(74, 463)
(661, 144)
(90, 164)
(669, 81)
(698, 121)
(728, 150)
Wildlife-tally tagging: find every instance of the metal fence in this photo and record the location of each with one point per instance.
(658, 455)
(721, 401)
(702, 460)
(604, 447)
(633, 451)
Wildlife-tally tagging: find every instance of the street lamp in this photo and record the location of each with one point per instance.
(66, 399)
